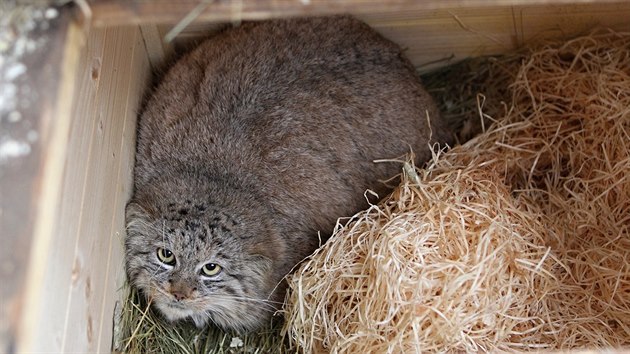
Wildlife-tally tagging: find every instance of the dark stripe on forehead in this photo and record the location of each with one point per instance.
(133, 252)
(222, 256)
(216, 242)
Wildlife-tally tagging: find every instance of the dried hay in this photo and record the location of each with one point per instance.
(142, 331)
(517, 240)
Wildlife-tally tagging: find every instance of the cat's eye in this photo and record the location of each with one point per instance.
(210, 269)
(166, 256)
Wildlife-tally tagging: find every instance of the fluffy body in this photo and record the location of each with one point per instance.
(254, 142)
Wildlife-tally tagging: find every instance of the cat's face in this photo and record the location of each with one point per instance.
(194, 260)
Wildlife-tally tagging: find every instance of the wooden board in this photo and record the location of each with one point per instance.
(437, 37)
(440, 37)
(114, 266)
(61, 247)
(158, 50)
(111, 12)
(84, 260)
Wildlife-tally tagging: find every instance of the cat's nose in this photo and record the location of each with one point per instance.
(181, 291)
(179, 295)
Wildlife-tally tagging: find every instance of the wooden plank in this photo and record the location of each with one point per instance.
(34, 111)
(68, 305)
(156, 47)
(437, 37)
(53, 304)
(114, 267)
(113, 12)
(443, 36)
(535, 23)
(90, 287)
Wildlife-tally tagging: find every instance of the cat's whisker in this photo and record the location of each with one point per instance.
(215, 311)
(223, 305)
(154, 272)
(242, 300)
(158, 289)
(211, 318)
(266, 301)
(267, 304)
(278, 284)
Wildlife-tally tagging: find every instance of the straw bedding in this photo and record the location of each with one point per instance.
(516, 240)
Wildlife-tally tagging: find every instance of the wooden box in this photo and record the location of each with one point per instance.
(66, 156)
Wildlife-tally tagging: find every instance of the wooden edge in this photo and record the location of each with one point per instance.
(157, 49)
(141, 64)
(122, 12)
(29, 182)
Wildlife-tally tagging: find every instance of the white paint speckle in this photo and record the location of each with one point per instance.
(37, 14)
(7, 96)
(30, 23)
(13, 148)
(51, 13)
(32, 136)
(31, 45)
(14, 116)
(14, 71)
(19, 48)
(16, 40)
(236, 342)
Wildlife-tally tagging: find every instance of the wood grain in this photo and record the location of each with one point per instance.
(106, 188)
(113, 12)
(114, 265)
(157, 49)
(437, 37)
(60, 274)
(79, 272)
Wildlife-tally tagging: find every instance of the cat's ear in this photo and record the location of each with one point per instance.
(138, 215)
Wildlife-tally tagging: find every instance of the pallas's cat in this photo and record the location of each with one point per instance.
(251, 145)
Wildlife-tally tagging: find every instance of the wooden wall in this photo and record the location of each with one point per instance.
(111, 12)
(75, 281)
(439, 36)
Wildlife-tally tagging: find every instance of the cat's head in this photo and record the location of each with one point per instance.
(198, 259)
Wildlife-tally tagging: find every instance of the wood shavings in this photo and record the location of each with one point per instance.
(516, 240)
